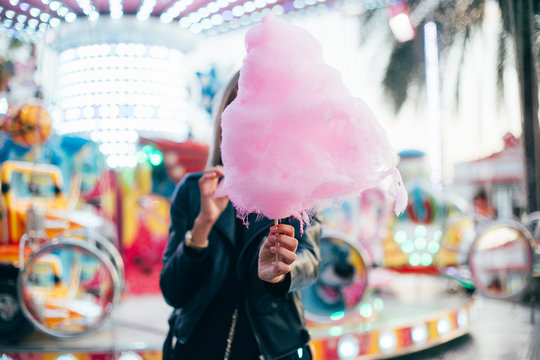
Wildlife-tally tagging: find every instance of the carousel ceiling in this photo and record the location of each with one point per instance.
(28, 19)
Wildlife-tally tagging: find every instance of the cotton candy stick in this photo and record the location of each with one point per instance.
(276, 223)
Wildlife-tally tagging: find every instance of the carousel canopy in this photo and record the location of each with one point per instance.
(27, 19)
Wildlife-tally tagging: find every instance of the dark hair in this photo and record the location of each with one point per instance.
(229, 94)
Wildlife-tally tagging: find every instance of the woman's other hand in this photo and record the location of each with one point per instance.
(211, 208)
(280, 241)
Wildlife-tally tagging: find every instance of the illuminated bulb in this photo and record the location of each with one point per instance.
(194, 17)
(433, 247)
(348, 347)
(130, 355)
(32, 23)
(400, 236)
(407, 247)
(419, 334)
(260, 3)
(462, 318)
(249, 6)
(414, 259)
(366, 310)
(63, 11)
(378, 304)
(212, 7)
(203, 13)
(146, 9)
(443, 326)
(227, 15)
(93, 16)
(35, 12)
(43, 17)
(54, 5)
(10, 14)
(245, 19)
(277, 10)
(426, 260)
(164, 18)
(238, 11)
(185, 22)
(14, 2)
(299, 4)
(66, 357)
(420, 231)
(335, 330)
(256, 16)
(387, 341)
(217, 19)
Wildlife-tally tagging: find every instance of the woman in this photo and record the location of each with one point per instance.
(232, 298)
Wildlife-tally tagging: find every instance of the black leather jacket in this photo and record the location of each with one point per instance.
(189, 283)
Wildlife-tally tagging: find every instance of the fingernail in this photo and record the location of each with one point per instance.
(273, 263)
(273, 249)
(276, 228)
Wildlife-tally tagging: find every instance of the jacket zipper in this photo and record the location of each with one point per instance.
(256, 335)
(261, 357)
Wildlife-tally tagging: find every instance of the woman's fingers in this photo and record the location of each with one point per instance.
(281, 268)
(284, 254)
(217, 170)
(208, 182)
(282, 240)
(282, 229)
(283, 234)
(212, 173)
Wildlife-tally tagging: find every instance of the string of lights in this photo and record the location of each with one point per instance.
(29, 19)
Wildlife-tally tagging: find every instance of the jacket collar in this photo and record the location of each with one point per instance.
(255, 226)
(226, 223)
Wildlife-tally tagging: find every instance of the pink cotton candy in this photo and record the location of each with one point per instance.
(295, 138)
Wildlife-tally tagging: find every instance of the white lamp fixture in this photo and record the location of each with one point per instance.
(113, 88)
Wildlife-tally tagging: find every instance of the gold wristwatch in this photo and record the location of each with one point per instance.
(191, 244)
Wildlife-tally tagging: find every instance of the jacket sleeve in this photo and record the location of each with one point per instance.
(184, 268)
(305, 269)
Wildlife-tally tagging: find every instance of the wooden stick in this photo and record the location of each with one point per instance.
(276, 223)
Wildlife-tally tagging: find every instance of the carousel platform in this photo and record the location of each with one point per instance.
(135, 331)
(407, 314)
(410, 314)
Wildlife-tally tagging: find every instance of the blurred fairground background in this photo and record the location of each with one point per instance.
(106, 105)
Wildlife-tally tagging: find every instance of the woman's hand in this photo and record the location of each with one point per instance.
(211, 208)
(280, 241)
